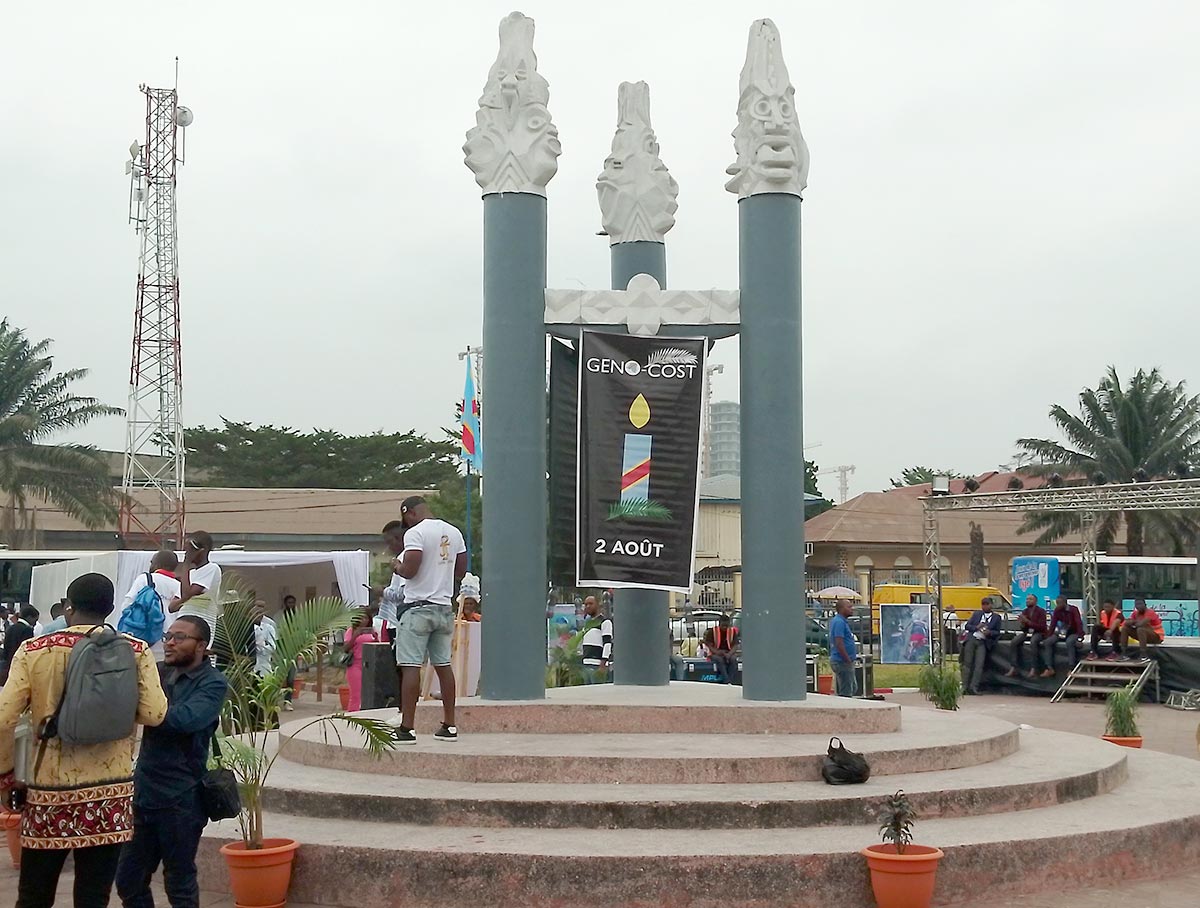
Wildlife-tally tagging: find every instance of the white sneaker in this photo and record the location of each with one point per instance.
(287, 706)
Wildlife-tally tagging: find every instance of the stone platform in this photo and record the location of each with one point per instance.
(628, 797)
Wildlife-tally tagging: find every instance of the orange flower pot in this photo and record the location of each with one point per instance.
(12, 831)
(1124, 742)
(344, 696)
(259, 877)
(902, 880)
(825, 684)
(297, 687)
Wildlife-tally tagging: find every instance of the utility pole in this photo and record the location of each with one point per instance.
(152, 485)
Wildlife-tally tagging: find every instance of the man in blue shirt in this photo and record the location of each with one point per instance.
(842, 651)
(168, 807)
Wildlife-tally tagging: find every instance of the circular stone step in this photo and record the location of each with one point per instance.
(679, 707)
(930, 741)
(1034, 776)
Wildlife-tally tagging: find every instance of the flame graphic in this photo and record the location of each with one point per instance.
(639, 412)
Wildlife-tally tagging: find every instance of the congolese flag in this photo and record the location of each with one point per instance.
(472, 440)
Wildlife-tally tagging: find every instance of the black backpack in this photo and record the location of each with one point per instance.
(844, 767)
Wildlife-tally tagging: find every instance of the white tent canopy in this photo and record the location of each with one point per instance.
(271, 574)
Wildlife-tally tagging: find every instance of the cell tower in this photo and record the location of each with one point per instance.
(152, 500)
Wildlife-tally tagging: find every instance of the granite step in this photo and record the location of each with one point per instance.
(679, 707)
(1033, 776)
(1148, 824)
(929, 741)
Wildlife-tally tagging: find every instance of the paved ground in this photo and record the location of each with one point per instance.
(1170, 731)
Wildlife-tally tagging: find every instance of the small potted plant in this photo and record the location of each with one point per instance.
(260, 868)
(1120, 713)
(941, 685)
(824, 673)
(902, 874)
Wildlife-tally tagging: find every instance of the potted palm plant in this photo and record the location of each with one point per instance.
(824, 672)
(902, 874)
(1120, 713)
(259, 867)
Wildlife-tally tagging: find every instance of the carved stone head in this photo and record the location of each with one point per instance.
(514, 145)
(637, 194)
(771, 153)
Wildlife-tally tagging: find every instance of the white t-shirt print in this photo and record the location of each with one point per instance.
(440, 544)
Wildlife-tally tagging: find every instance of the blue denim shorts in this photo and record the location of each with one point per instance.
(425, 630)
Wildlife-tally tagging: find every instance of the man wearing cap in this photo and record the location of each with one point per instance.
(432, 563)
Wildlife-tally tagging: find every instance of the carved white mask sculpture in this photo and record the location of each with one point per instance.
(771, 153)
(514, 145)
(637, 194)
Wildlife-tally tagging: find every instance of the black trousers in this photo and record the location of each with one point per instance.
(41, 868)
(170, 837)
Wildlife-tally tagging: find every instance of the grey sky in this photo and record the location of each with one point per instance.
(1003, 200)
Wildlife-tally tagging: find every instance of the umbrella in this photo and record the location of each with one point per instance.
(836, 592)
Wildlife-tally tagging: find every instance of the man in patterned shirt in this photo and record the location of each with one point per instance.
(79, 798)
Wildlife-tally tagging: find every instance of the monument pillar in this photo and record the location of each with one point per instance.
(769, 175)
(637, 204)
(513, 151)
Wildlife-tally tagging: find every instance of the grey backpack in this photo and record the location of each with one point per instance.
(100, 697)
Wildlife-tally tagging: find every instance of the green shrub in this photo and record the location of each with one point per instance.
(1120, 712)
(896, 821)
(941, 686)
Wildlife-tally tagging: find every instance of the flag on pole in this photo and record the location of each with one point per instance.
(472, 440)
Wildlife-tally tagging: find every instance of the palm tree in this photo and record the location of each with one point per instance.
(1143, 429)
(36, 404)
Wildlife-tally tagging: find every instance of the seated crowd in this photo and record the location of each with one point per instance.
(1047, 634)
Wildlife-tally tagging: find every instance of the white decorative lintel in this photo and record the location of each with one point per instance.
(643, 308)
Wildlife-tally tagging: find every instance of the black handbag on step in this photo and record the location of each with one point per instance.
(844, 767)
(222, 800)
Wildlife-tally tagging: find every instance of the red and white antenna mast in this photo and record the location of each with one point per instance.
(152, 487)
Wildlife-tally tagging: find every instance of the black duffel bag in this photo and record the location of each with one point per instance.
(844, 767)
(222, 800)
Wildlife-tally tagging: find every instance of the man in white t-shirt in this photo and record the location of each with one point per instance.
(432, 564)
(162, 574)
(200, 582)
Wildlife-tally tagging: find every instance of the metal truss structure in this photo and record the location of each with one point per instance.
(152, 486)
(1087, 501)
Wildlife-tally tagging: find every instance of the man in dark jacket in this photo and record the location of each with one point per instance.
(1066, 627)
(1033, 628)
(980, 635)
(168, 807)
(16, 634)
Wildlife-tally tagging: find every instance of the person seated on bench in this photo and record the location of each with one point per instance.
(1033, 628)
(1066, 627)
(1145, 627)
(980, 634)
(720, 642)
(1107, 627)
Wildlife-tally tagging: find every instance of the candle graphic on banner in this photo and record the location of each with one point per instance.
(635, 462)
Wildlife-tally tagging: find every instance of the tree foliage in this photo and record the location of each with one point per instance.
(1146, 428)
(917, 476)
(240, 455)
(36, 404)
(810, 487)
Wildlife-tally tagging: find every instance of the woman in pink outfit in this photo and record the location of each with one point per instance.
(357, 635)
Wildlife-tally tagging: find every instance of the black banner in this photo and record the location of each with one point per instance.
(640, 401)
(564, 429)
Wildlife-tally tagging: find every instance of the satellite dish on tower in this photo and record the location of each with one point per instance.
(183, 116)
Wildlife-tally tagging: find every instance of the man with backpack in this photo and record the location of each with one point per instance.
(143, 612)
(88, 688)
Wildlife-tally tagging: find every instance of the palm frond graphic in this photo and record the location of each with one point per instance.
(638, 509)
(673, 355)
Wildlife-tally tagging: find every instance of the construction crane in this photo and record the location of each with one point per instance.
(152, 484)
(843, 472)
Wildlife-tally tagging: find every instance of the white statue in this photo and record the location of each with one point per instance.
(637, 194)
(771, 153)
(514, 145)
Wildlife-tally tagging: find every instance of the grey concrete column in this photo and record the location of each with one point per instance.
(514, 437)
(772, 448)
(641, 618)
